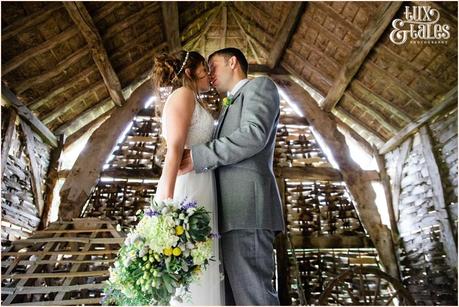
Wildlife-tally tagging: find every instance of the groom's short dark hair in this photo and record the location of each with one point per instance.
(229, 52)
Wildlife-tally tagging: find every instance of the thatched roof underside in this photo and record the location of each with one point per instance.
(49, 61)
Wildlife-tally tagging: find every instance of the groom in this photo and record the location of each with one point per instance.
(250, 211)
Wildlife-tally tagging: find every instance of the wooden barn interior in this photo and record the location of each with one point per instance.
(366, 154)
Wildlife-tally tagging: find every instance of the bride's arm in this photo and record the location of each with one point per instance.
(177, 116)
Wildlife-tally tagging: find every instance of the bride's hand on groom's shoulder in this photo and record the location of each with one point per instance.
(186, 165)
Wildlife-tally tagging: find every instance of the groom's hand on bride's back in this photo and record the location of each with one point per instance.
(186, 165)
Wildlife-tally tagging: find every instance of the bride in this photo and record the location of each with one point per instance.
(186, 121)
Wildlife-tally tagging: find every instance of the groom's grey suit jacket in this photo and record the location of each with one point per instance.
(242, 153)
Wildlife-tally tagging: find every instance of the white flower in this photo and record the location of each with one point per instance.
(202, 252)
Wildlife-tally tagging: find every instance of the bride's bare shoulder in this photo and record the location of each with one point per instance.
(181, 94)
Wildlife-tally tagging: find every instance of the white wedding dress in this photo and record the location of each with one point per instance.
(209, 290)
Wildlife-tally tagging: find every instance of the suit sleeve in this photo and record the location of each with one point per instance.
(259, 112)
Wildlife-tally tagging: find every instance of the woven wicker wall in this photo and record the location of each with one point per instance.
(444, 133)
(20, 216)
(423, 246)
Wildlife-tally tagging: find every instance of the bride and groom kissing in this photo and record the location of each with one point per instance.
(228, 168)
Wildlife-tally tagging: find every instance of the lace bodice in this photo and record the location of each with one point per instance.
(201, 126)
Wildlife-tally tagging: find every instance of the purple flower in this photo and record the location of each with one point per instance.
(191, 204)
(150, 212)
(215, 235)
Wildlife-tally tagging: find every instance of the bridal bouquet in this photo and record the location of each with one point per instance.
(166, 251)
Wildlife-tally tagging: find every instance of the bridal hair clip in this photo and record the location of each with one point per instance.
(184, 62)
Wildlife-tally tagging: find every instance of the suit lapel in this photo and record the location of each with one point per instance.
(222, 116)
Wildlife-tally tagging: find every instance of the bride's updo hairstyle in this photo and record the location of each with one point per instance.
(169, 70)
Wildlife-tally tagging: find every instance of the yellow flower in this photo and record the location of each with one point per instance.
(177, 251)
(167, 251)
(179, 230)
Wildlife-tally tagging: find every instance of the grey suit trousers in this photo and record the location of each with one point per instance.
(249, 267)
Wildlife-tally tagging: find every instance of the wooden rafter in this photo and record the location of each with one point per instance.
(91, 126)
(387, 123)
(62, 87)
(360, 189)
(403, 153)
(367, 147)
(6, 141)
(338, 18)
(37, 50)
(84, 22)
(206, 27)
(309, 173)
(77, 99)
(224, 26)
(422, 102)
(57, 70)
(29, 117)
(88, 166)
(79, 121)
(448, 101)
(249, 37)
(297, 75)
(171, 24)
(393, 107)
(325, 77)
(129, 21)
(29, 21)
(357, 57)
(284, 33)
(34, 168)
(198, 23)
(349, 116)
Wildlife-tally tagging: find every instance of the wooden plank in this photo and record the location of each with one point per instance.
(84, 22)
(360, 188)
(52, 177)
(309, 173)
(206, 28)
(353, 134)
(404, 151)
(70, 239)
(29, 21)
(51, 289)
(41, 262)
(42, 253)
(130, 173)
(29, 117)
(78, 301)
(34, 169)
(31, 269)
(88, 166)
(171, 25)
(284, 33)
(449, 240)
(8, 137)
(30, 53)
(449, 100)
(63, 65)
(62, 87)
(352, 118)
(224, 27)
(68, 105)
(370, 37)
(385, 181)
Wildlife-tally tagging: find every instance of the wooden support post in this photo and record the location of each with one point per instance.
(171, 24)
(6, 142)
(52, 177)
(88, 166)
(447, 234)
(35, 170)
(360, 188)
(403, 153)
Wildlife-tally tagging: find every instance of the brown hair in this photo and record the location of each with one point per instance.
(169, 71)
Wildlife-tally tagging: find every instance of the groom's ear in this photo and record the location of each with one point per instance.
(233, 62)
